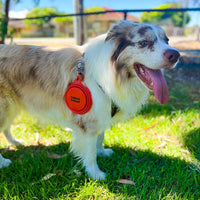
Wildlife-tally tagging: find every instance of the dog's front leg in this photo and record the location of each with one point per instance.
(101, 151)
(84, 147)
(120, 116)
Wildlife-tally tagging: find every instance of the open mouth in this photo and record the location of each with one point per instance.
(154, 80)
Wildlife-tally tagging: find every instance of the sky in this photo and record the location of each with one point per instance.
(68, 7)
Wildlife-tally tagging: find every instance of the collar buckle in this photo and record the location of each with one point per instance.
(80, 68)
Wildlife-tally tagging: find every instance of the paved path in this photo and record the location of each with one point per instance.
(72, 40)
(54, 42)
(188, 58)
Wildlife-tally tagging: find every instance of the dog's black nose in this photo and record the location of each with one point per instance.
(171, 55)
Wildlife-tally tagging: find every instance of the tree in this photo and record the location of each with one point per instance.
(4, 18)
(93, 9)
(64, 25)
(176, 17)
(63, 20)
(39, 12)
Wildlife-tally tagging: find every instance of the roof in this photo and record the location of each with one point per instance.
(16, 24)
(116, 15)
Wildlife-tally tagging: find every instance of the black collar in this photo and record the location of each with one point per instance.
(114, 109)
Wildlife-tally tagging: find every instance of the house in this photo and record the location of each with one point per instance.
(98, 24)
(17, 22)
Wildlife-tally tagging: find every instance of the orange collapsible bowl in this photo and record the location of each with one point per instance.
(78, 98)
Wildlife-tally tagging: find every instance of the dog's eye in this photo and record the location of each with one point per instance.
(167, 41)
(143, 43)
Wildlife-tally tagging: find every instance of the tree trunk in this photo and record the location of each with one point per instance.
(5, 22)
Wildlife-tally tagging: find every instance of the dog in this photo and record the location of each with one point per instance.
(118, 69)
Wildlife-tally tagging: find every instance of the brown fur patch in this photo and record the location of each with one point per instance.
(124, 75)
(123, 43)
(122, 37)
(151, 45)
(8, 87)
(121, 30)
(81, 124)
(143, 30)
(38, 66)
(33, 72)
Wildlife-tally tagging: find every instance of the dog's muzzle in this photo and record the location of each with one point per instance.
(171, 56)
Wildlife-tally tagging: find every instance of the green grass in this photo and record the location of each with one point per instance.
(159, 150)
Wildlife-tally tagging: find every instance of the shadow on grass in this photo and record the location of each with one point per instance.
(192, 142)
(35, 174)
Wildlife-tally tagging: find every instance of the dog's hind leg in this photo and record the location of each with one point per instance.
(11, 139)
(84, 147)
(101, 151)
(7, 114)
(4, 162)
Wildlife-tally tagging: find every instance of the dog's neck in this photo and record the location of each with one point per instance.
(80, 69)
(98, 54)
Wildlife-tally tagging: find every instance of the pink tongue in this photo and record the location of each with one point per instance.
(159, 85)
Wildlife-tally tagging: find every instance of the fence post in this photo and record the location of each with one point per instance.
(125, 15)
(79, 28)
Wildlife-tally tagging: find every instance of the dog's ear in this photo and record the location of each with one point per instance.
(120, 30)
(113, 32)
(121, 33)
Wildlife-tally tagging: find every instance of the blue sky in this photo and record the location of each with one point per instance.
(67, 5)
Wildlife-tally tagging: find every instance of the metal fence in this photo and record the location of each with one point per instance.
(124, 11)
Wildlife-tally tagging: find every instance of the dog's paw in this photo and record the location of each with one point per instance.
(95, 173)
(4, 162)
(104, 152)
(100, 176)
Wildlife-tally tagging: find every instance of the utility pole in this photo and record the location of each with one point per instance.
(79, 25)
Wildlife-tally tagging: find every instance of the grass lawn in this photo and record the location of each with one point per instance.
(157, 156)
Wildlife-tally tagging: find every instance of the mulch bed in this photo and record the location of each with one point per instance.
(188, 67)
(184, 73)
(189, 58)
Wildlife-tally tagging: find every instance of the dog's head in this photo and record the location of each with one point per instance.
(141, 51)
